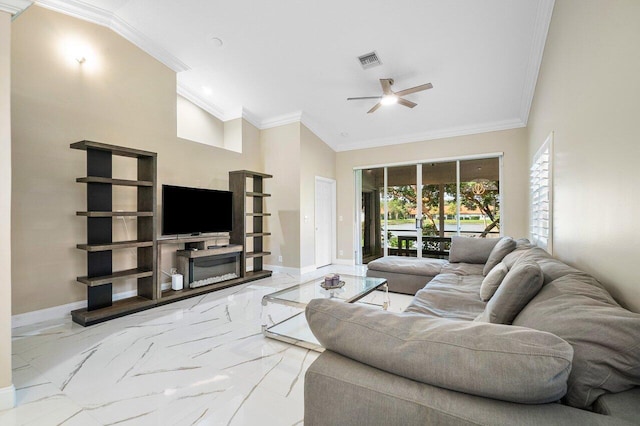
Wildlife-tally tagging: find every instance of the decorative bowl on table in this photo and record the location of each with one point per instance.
(331, 282)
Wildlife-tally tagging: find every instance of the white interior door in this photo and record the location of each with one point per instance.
(325, 221)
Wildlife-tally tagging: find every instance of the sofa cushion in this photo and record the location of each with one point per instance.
(551, 268)
(462, 268)
(518, 287)
(605, 336)
(495, 361)
(449, 296)
(522, 246)
(407, 265)
(492, 281)
(471, 250)
(505, 246)
(623, 405)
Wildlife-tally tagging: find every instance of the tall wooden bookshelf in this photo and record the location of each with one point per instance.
(249, 217)
(100, 244)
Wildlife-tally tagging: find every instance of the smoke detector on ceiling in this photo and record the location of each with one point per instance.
(369, 60)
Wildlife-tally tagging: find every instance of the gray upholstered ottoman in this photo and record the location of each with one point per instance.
(405, 274)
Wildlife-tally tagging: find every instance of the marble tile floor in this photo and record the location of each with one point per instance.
(200, 361)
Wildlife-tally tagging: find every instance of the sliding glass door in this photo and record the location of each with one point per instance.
(404, 211)
(414, 209)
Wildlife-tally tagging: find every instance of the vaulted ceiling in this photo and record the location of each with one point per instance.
(275, 62)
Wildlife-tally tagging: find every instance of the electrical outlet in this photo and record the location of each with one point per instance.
(280, 259)
(341, 252)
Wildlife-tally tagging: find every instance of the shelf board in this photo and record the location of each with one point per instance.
(257, 275)
(248, 173)
(114, 214)
(116, 150)
(257, 254)
(120, 182)
(193, 254)
(106, 279)
(258, 214)
(119, 308)
(258, 234)
(192, 239)
(115, 246)
(169, 296)
(257, 194)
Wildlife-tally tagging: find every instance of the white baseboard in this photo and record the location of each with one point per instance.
(58, 312)
(307, 269)
(348, 262)
(7, 397)
(282, 269)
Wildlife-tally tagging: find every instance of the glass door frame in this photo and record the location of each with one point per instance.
(419, 188)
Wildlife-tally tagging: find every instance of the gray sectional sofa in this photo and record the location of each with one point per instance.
(501, 334)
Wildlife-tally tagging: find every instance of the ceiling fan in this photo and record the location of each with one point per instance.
(390, 97)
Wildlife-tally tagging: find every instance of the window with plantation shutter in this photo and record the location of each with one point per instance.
(541, 193)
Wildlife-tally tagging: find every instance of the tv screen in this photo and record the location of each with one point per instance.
(194, 210)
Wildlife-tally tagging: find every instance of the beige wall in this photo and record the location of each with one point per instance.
(5, 205)
(294, 156)
(316, 159)
(514, 196)
(281, 155)
(123, 97)
(587, 94)
(195, 124)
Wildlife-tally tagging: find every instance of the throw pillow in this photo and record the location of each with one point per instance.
(492, 281)
(471, 250)
(491, 360)
(519, 286)
(505, 246)
(605, 337)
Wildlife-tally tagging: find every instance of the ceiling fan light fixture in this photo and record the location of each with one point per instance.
(389, 100)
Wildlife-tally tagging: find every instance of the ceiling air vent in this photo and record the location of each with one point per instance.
(369, 60)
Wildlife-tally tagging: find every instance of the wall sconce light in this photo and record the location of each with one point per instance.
(77, 52)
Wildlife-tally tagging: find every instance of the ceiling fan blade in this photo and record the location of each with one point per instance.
(375, 107)
(386, 85)
(364, 97)
(406, 103)
(415, 89)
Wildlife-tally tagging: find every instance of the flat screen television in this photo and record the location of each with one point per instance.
(195, 210)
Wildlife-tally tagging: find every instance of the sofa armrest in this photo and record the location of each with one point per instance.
(339, 390)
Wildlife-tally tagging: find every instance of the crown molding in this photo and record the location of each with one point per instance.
(541, 29)
(251, 118)
(440, 134)
(143, 42)
(14, 7)
(281, 120)
(199, 101)
(215, 110)
(96, 15)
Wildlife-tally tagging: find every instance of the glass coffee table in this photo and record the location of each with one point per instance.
(293, 328)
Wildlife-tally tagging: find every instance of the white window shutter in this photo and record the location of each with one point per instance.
(541, 193)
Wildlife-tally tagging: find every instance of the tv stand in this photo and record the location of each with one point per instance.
(194, 245)
(223, 250)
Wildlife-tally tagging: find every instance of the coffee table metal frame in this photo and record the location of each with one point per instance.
(363, 286)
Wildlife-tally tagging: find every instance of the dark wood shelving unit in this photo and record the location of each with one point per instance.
(120, 182)
(114, 214)
(100, 244)
(114, 246)
(128, 273)
(246, 184)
